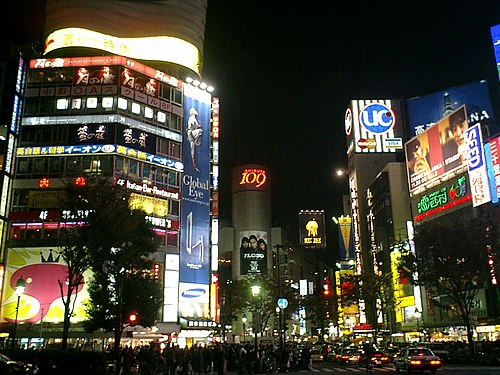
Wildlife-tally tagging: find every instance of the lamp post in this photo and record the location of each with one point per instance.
(418, 314)
(244, 320)
(19, 290)
(255, 318)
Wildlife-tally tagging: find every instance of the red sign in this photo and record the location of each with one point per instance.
(255, 177)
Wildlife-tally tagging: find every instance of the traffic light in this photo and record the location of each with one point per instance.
(327, 288)
(80, 181)
(132, 319)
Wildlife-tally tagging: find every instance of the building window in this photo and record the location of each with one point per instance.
(122, 104)
(62, 104)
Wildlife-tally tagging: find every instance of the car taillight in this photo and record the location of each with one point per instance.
(435, 362)
(385, 358)
(416, 362)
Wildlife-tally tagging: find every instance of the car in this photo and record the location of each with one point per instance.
(417, 359)
(376, 358)
(349, 355)
(316, 355)
(438, 348)
(9, 366)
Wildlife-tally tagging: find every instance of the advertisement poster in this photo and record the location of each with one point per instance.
(41, 270)
(194, 251)
(253, 252)
(438, 151)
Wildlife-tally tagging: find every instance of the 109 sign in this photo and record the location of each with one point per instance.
(255, 177)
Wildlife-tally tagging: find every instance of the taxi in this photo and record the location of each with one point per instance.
(417, 359)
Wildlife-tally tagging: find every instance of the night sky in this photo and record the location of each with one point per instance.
(285, 70)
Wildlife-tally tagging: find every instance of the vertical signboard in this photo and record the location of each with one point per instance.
(312, 228)
(253, 253)
(492, 156)
(478, 177)
(495, 36)
(194, 271)
(345, 237)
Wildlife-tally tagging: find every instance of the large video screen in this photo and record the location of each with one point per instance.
(437, 152)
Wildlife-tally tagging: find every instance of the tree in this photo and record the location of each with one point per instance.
(118, 241)
(373, 289)
(451, 261)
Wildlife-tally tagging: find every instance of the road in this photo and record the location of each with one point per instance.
(332, 368)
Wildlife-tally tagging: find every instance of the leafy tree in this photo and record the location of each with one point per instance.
(118, 241)
(318, 310)
(140, 295)
(451, 260)
(373, 289)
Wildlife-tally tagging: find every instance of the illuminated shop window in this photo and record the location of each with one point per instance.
(136, 108)
(76, 104)
(107, 102)
(162, 117)
(122, 104)
(91, 102)
(148, 112)
(62, 104)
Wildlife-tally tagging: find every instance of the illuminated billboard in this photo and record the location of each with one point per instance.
(495, 36)
(194, 270)
(346, 242)
(425, 111)
(492, 156)
(158, 31)
(312, 229)
(454, 193)
(374, 126)
(437, 152)
(253, 253)
(476, 164)
(251, 178)
(42, 271)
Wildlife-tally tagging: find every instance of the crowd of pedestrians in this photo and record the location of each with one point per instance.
(205, 359)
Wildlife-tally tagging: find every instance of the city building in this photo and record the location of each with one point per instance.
(119, 97)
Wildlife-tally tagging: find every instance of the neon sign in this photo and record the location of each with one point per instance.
(443, 199)
(255, 177)
(442, 196)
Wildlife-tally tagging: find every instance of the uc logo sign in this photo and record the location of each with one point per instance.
(377, 118)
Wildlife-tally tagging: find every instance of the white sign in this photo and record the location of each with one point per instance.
(478, 176)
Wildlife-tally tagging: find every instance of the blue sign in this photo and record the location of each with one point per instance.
(475, 148)
(377, 118)
(282, 303)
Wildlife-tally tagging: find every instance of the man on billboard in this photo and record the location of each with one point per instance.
(418, 158)
(455, 149)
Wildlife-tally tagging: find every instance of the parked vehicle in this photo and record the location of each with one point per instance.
(417, 359)
(9, 366)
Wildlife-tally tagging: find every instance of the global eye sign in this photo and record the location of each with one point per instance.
(372, 126)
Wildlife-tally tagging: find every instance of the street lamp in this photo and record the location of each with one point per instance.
(244, 320)
(418, 314)
(19, 290)
(255, 293)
